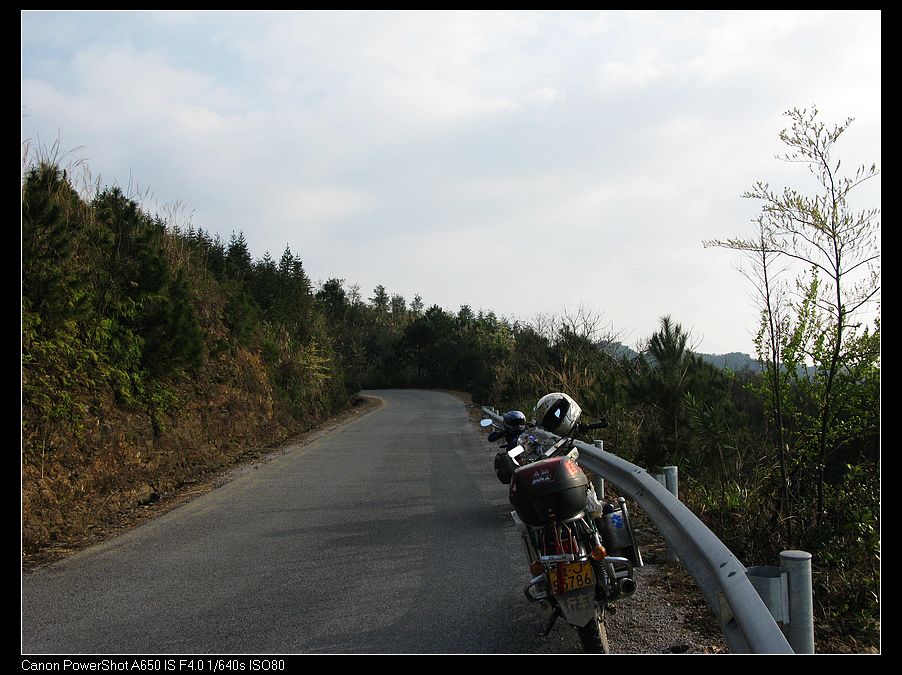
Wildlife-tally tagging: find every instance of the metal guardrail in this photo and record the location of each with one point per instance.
(746, 622)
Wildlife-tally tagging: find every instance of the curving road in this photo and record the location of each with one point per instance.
(390, 534)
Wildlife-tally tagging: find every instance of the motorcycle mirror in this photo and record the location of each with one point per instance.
(486, 423)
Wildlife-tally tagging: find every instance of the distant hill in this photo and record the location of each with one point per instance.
(735, 361)
(618, 349)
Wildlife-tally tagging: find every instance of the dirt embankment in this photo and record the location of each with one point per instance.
(124, 467)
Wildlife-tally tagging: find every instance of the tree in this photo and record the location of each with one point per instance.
(398, 307)
(55, 236)
(416, 306)
(429, 345)
(837, 246)
(332, 298)
(380, 300)
(238, 257)
(293, 300)
(659, 383)
(265, 283)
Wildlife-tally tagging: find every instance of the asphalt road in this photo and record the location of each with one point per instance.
(390, 534)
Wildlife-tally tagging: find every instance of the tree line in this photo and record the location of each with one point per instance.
(152, 353)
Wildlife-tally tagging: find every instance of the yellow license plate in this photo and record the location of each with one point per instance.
(571, 577)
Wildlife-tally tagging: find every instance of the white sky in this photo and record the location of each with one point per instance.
(521, 162)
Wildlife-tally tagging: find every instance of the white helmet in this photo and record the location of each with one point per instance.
(557, 413)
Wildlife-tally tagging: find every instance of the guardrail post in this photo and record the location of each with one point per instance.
(599, 481)
(670, 475)
(786, 591)
(669, 480)
(799, 630)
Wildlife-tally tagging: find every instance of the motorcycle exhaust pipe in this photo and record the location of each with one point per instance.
(627, 586)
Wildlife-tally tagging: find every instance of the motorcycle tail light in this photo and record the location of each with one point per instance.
(537, 568)
(599, 553)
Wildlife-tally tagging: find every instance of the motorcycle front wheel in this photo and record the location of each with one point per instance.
(594, 636)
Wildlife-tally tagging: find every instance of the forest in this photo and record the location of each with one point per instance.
(153, 354)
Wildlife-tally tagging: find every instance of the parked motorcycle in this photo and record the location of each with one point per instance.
(567, 532)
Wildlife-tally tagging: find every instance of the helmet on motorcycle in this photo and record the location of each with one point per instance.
(557, 413)
(514, 421)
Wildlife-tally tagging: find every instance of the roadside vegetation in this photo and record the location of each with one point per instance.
(153, 354)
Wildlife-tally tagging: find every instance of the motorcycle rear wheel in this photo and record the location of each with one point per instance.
(594, 635)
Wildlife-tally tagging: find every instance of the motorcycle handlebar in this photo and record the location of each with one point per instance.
(602, 424)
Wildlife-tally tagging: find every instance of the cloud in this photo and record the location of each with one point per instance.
(131, 96)
(318, 206)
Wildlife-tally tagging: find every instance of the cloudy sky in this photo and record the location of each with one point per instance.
(522, 162)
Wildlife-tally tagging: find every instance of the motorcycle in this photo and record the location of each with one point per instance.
(567, 534)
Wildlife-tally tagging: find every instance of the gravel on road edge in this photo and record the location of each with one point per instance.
(667, 614)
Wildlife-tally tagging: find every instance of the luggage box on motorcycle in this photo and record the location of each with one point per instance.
(551, 489)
